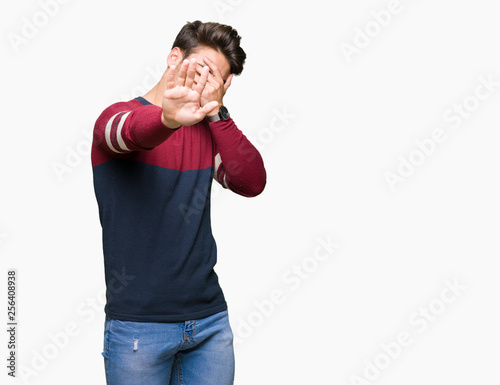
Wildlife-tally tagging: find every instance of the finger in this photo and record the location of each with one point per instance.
(181, 79)
(228, 82)
(215, 69)
(191, 73)
(196, 80)
(211, 78)
(171, 77)
(202, 81)
(206, 91)
(210, 81)
(207, 108)
(200, 67)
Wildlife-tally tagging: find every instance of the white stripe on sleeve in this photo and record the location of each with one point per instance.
(107, 134)
(119, 137)
(217, 161)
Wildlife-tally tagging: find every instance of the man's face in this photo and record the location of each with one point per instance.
(218, 58)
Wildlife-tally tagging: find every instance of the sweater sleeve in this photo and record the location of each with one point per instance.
(238, 164)
(121, 129)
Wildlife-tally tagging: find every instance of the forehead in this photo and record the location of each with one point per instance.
(218, 58)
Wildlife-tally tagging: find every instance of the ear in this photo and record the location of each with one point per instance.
(174, 57)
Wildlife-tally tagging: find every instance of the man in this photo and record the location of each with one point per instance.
(153, 161)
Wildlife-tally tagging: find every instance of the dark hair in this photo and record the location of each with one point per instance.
(220, 37)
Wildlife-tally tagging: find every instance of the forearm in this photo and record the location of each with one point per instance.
(119, 130)
(242, 168)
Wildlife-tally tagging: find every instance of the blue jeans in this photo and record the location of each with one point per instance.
(196, 352)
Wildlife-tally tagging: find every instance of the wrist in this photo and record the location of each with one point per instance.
(215, 111)
(222, 114)
(172, 124)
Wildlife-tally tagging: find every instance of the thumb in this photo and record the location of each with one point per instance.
(209, 107)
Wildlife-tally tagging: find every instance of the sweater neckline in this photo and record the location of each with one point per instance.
(143, 101)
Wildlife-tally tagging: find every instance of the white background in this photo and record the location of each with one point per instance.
(355, 118)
